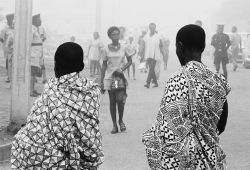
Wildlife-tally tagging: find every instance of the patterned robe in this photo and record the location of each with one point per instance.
(62, 129)
(185, 134)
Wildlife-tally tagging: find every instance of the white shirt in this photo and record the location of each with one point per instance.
(152, 47)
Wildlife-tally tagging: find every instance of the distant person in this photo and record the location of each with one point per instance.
(123, 38)
(72, 39)
(43, 36)
(235, 46)
(193, 112)
(36, 57)
(153, 53)
(7, 39)
(94, 54)
(141, 52)
(62, 129)
(112, 77)
(221, 43)
(198, 22)
(165, 50)
(132, 46)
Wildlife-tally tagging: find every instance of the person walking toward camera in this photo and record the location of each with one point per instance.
(153, 53)
(112, 78)
(94, 54)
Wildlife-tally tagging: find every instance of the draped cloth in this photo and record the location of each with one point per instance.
(185, 135)
(62, 129)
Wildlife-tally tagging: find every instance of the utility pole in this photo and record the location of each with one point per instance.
(20, 87)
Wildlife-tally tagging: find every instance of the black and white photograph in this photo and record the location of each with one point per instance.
(124, 84)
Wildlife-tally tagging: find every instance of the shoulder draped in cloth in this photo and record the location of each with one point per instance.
(62, 129)
(180, 140)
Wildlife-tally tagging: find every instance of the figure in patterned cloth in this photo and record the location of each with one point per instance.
(192, 114)
(62, 129)
(7, 38)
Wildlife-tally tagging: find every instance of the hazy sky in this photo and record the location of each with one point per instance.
(77, 17)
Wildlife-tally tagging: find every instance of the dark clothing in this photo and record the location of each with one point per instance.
(35, 71)
(117, 98)
(221, 43)
(151, 74)
(224, 67)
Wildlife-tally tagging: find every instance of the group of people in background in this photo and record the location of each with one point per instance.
(36, 57)
(68, 136)
(226, 47)
(62, 129)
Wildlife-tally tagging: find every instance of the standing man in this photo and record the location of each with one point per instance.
(221, 43)
(36, 58)
(235, 46)
(5, 37)
(153, 52)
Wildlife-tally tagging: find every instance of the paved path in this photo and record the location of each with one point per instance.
(125, 151)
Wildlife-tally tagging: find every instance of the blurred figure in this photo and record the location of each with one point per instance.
(221, 43)
(36, 58)
(165, 49)
(114, 62)
(7, 38)
(43, 37)
(132, 46)
(94, 55)
(123, 39)
(198, 22)
(141, 52)
(62, 129)
(193, 112)
(72, 39)
(153, 53)
(235, 46)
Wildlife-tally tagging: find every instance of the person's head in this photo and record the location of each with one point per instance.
(96, 35)
(220, 28)
(234, 29)
(72, 38)
(198, 22)
(68, 59)
(144, 32)
(131, 39)
(114, 34)
(122, 31)
(36, 20)
(190, 40)
(10, 20)
(152, 28)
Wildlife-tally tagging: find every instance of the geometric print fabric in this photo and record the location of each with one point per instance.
(183, 140)
(62, 129)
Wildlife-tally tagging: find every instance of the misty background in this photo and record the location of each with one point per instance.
(65, 18)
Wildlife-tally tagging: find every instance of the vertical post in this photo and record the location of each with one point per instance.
(20, 90)
(98, 20)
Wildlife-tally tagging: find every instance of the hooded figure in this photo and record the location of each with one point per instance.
(62, 129)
